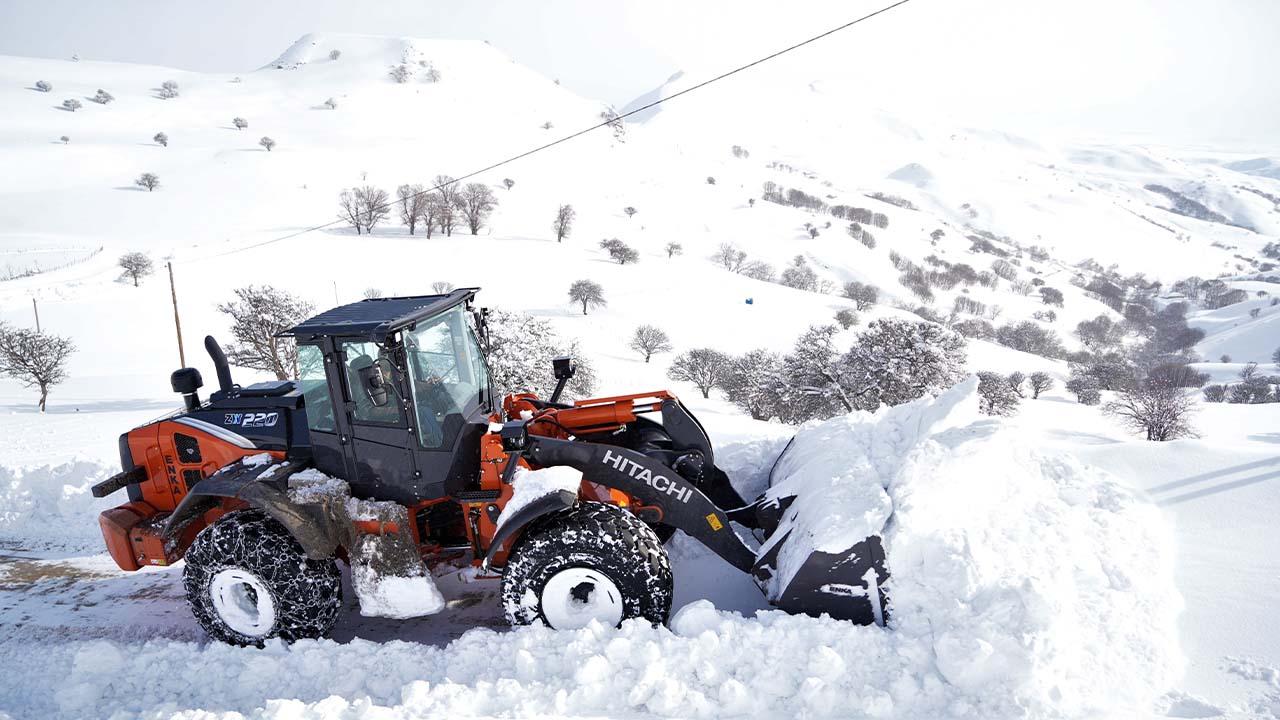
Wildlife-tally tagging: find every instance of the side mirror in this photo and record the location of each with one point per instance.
(563, 367)
(374, 384)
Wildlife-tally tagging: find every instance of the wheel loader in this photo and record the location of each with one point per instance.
(390, 453)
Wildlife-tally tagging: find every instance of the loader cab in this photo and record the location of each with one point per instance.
(397, 395)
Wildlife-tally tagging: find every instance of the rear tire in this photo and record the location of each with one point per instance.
(592, 561)
(248, 580)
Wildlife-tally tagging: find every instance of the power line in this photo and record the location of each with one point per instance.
(607, 123)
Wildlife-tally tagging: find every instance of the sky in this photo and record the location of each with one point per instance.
(1177, 70)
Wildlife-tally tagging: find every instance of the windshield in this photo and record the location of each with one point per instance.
(448, 374)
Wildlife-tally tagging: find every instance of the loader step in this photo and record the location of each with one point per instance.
(478, 496)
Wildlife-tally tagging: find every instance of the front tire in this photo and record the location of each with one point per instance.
(593, 561)
(248, 580)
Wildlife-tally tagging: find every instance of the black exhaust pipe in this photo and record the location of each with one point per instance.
(219, 365)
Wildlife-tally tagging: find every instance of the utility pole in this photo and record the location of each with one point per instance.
(177, 323)
(36, 308)
(335, 293)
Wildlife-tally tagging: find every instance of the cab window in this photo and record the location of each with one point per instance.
(315, 389)
(448, 375)
(360, 359)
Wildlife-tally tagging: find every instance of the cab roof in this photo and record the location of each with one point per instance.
(378, 317)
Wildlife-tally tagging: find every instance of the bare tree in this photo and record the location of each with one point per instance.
(168, 89)
(588, 293)
(730, 257)
(36, 359)
(1040, 382)
(374, 206)
(1016, 379)
(150, 181)
(258, 316)
(350, 210)
(749, 383)
(704, 367)
(71, 104)
(267, 143)
(449, 192)
(623, 253)
(614, 121)
(335, 54)
(760, 270)
(400, 73)
(102, 97)
(43, 86)
(441, 287)
(630, 211)
(372, 293)
(432, 206)
(673, 249)
(476, 201)
(648, 340)
(446, 217)
(1159, 409)
(508, 183)
(563, 224)
(240, 123)
(413, 204)
(161, 139)
(136, 265)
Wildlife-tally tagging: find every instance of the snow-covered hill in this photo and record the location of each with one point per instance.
(224, 201)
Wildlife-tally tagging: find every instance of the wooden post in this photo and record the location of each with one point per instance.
(177, 323)
(36, 308)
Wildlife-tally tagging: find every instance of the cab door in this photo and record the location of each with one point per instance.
(379, 439)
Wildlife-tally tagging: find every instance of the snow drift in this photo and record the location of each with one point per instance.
(1029, 579)
(50, 507)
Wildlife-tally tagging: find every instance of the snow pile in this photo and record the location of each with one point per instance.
(50, 507)
(1030, 579)
(529, 485)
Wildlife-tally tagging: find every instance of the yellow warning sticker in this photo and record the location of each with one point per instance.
(714, 522)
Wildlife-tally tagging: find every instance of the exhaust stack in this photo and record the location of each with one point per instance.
(225, 386)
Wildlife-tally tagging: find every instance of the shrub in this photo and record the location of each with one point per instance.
(846, 318)
(1050, 296)
(1040, 382)
(863, 295)
(1029, 337)
(996, 395)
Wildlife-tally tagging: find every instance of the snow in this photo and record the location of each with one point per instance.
(1030, 577)
(530, 485)
(985, 552)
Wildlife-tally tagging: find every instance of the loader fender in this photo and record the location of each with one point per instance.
(683, 505)
(264, 487)
(552, 502)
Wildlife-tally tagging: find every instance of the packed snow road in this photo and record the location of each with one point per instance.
(997, 610)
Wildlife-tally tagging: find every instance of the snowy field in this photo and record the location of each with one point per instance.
(1045, 565)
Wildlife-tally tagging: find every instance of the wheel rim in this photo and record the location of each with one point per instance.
(572, 598)
(243, 602)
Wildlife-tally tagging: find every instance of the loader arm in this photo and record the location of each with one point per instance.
(683, 505)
